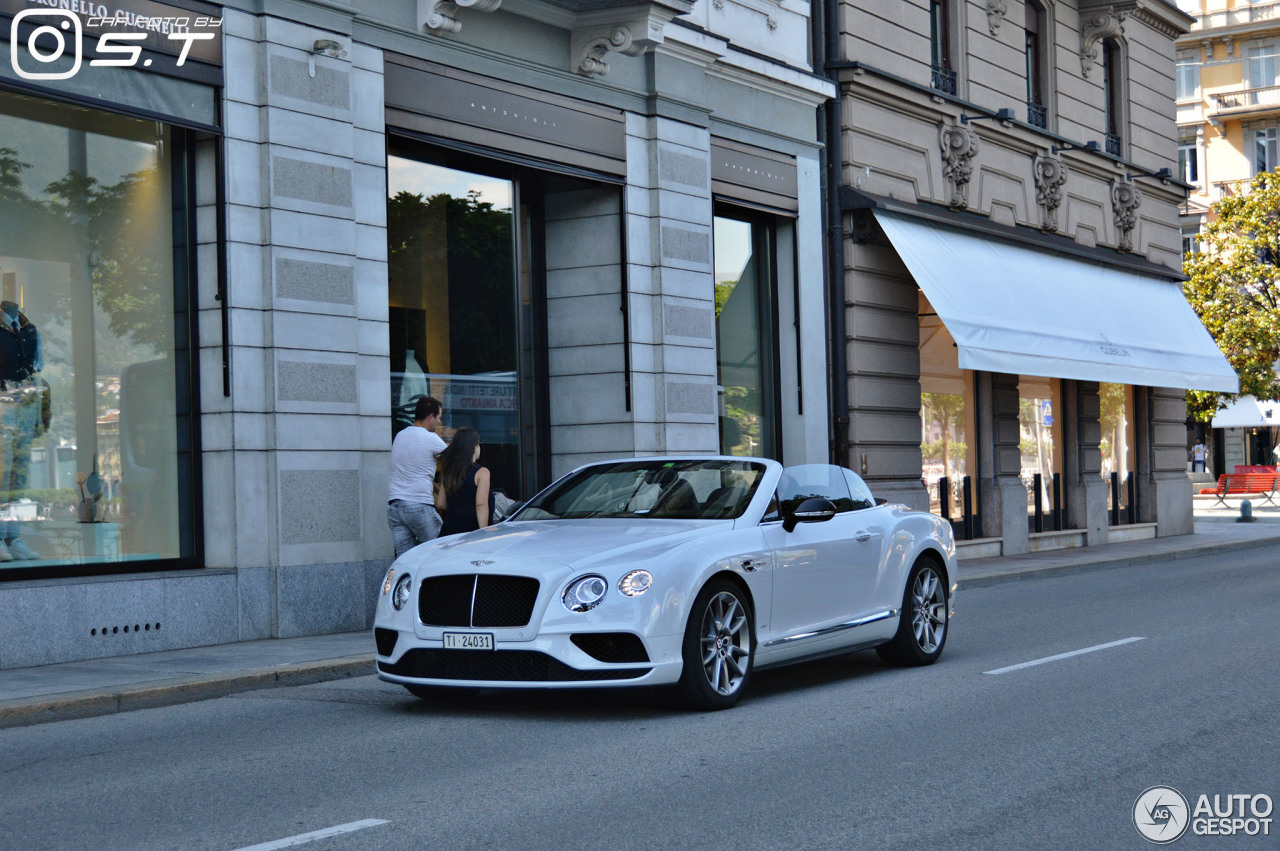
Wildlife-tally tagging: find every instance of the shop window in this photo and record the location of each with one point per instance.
(1040, 432)
(96, 467)
(948, 447)
(454, 298)
(1119, 459)
(746, 361)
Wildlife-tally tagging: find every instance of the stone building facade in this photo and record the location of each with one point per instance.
(1010, 219)
(592, 229)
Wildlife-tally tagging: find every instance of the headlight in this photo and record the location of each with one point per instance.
(386, 585)
(401, 594)
(636, 583)
(585, 593)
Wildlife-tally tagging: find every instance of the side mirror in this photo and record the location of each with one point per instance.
(815, 509)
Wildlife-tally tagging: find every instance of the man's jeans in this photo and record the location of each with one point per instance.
(411, 523)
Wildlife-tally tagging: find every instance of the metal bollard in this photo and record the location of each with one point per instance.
(1246, 512)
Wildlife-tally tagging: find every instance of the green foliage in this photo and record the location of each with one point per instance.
(932, 450)
(1232, 285)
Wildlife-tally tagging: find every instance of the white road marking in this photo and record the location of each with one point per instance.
(1092, 649)
(290, 841)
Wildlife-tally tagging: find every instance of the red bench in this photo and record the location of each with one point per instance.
(1235, 484)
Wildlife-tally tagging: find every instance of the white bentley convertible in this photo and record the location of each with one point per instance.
(685, 571)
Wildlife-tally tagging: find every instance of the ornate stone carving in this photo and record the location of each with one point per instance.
(959, 146)
(629, 29)
(1103, 24)
(996, 10)
(1051, 175)
(1126, 198)
(438, 15)
(591, 46)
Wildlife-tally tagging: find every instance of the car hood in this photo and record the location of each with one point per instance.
(567, 543)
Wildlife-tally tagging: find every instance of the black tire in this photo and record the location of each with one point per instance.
(442, 694)
(923, 626)
(719, 636)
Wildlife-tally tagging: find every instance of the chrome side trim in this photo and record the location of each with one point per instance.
(840, 627)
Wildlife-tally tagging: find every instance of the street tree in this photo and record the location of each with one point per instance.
(1233, 283)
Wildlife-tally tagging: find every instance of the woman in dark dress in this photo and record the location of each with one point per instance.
(462, 492)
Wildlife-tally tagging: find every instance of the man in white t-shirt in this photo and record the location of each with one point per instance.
(411, 511)
(1199, 454)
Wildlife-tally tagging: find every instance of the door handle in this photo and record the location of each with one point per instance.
(862, 537)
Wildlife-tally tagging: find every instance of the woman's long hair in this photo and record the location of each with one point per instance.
(454, 462)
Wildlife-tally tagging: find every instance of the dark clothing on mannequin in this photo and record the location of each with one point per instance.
(19, 350)
(460, 515)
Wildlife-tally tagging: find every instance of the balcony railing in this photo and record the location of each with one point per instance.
(1115, 145)
(1265, 96)
(1252, 13)
(1037, 115)
(944, 79)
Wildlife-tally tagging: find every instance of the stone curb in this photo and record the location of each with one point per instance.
(1031, 572)
(89, 704)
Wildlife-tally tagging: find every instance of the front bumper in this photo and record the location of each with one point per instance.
(545, 661)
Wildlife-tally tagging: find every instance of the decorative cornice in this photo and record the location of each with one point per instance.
(1126, 198)
(959, 146)
(438, 16)
(1102, 24)
(996, 10)
(629, 28)
(1051, 176)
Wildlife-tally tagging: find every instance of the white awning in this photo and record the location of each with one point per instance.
(1020, 310)
(1248, 412)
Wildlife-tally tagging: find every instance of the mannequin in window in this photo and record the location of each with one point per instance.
(24, 410)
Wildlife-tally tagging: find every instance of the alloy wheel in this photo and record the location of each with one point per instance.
(929, 610)
(726, 643)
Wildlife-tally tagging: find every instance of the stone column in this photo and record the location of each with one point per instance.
(1085, 490)
(1169, 488)
(671, 300)
(1002, 500)
(296, 458)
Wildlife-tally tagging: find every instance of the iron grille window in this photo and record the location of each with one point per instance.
(1037, 115)
(1114, 144)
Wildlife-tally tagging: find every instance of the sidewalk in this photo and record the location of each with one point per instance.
(120, 684)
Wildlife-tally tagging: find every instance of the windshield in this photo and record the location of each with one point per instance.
(688, 490)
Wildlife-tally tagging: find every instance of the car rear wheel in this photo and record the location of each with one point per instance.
(922, 629)
(719, 647)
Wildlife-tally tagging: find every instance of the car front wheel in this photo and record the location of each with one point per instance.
(719, 646)
(922, 629)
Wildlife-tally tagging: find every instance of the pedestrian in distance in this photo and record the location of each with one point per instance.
(462, 485)
(1199, 453)
(411, 511)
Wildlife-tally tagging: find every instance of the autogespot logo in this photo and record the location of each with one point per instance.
(1161, 814)
(58, 33)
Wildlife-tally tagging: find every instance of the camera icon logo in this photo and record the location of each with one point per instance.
(58, 26)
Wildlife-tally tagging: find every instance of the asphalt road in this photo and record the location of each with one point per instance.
(843, 753)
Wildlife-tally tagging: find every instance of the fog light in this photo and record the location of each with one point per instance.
(401, 594)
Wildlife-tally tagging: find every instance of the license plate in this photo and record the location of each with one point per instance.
(468, 641)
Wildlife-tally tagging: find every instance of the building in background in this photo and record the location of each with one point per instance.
(1016, 343)
(591, 229)
(1228, 86)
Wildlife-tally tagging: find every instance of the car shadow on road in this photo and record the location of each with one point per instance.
(620, 704)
